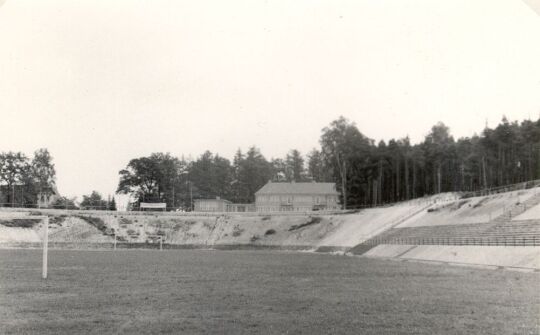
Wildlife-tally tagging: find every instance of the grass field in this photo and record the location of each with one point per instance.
(236, 292)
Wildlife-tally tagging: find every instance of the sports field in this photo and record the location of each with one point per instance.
(249, 292)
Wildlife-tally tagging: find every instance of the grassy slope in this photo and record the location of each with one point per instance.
(151, 292)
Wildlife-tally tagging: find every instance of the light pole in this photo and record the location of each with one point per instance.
(173, 204)
(343, 171)
(190, 196)
(185, 172)
(342, 166)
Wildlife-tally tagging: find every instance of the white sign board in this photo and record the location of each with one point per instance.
(154, 205)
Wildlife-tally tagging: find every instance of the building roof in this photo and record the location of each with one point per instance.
(298, 188)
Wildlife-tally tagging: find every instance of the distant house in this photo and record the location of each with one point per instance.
(280, 197)
(211, 205)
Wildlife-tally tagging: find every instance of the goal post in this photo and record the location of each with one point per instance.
(44, 234)
(45, 246)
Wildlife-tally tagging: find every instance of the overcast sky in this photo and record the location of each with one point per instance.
(100, 82)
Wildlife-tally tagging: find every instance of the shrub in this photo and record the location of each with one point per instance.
(254, 238)
(311, 221)
(58, 219)
(266, 217)
(480, 203)
(461, 203)
(21, 223)
(237, 231)
(270, 232)
(125, 221)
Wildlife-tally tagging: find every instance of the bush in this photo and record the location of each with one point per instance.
(20, 223)
(58, 219)
(270, 232)
(461, 203)
(480, 203)
(254, 238)
(266, 217)
(125, 221)
(311, 221)
(237, 231)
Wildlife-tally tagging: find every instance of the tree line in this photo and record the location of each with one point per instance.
(386, 172)
(23, 179)
(366, 173)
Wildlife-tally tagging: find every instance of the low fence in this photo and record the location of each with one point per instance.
(150, 246)
(167, 214)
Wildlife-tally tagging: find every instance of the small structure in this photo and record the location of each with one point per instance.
(211, 205)
(153, 206)
(287, 197)
(241, 208)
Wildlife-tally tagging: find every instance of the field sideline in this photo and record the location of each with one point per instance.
(235, 292)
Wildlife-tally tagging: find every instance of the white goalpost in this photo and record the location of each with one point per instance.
(45, 240)
(45, 246)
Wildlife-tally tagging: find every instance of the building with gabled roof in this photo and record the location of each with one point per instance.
(286, 197)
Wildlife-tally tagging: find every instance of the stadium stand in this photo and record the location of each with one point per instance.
(500, 230)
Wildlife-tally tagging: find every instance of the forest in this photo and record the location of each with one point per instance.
(366, 173)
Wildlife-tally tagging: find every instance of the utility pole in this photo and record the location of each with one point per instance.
(375, 195)
(190, 197)
(484, 171)
(342, 166)
(173, 195)
(344, 182)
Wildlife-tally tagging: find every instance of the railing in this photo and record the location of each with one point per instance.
(501, 189)
(475, 241)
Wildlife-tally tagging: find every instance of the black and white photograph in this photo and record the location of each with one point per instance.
(269, 167)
